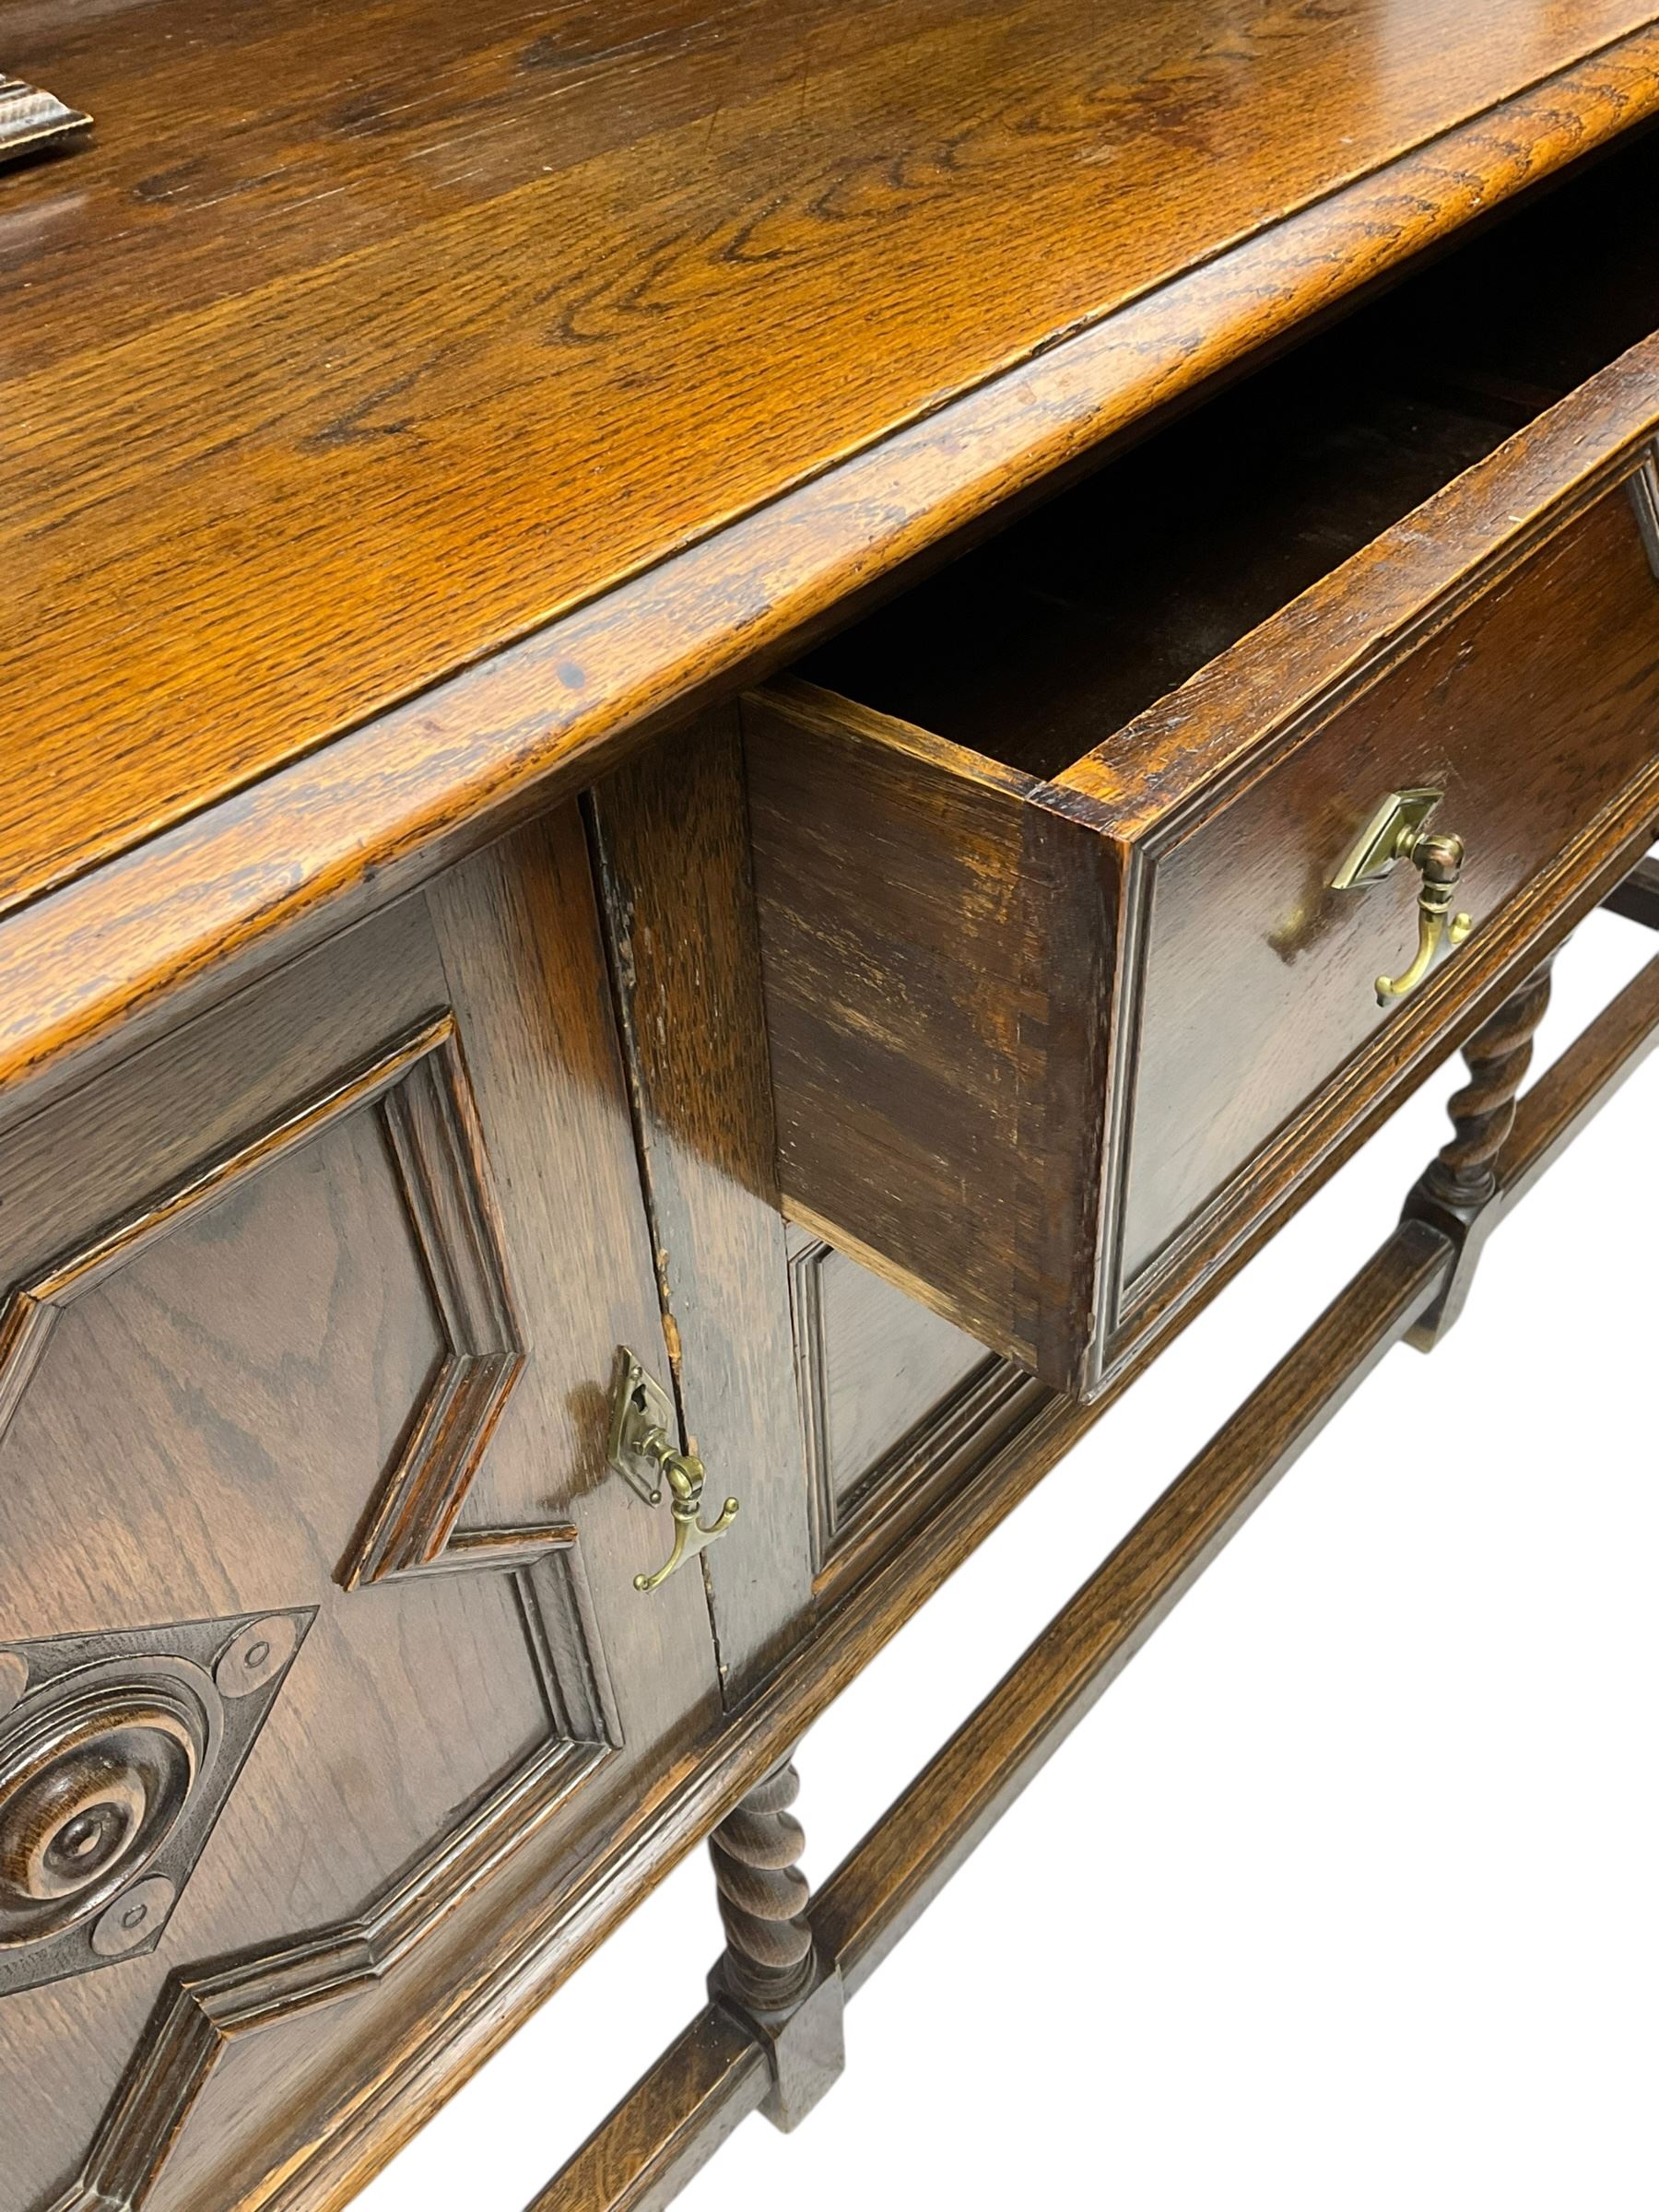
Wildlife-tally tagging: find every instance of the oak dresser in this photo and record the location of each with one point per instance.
(733, 736)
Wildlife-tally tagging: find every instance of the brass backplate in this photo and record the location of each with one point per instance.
(640, 1409)
(1392, 831)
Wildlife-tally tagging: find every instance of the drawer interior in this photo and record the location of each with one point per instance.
(1035, 646)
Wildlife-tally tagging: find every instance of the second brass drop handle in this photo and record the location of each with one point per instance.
(641, 1449)
(1440, 860)
(1397, 830)
(684, 1473)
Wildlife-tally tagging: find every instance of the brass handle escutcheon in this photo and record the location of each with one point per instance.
(640, 1450)
(1397, 830)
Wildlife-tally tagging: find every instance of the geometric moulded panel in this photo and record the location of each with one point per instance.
(117, 1754)
(897, 1408)
(419, 1086)
(206, 2011)
(119, 1750)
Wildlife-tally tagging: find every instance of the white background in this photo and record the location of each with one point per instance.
(1344, 1896)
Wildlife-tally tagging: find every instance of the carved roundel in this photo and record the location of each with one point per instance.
(117, 1754)
(92, 1785)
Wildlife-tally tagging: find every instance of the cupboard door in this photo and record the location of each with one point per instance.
(321, 1659)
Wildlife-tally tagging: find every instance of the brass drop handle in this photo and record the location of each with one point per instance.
(642, 1450)
(1440, 861)
(1397, 831)
(684, 1473)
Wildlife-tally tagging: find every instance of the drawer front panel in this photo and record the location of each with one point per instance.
(1530, 711)
(318, 1627)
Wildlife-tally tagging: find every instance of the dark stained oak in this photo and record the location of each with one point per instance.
(935, 972)
(1456, 1192)
(707, 2083)
(771, 1973)
(763, 1895)
(1532, 713)
(900, 1408)
(319, 402)
(887, 1363)
(474, 2011)
(1483, 1111)
(412, 417)
(1500, 1144)
(669, 2125)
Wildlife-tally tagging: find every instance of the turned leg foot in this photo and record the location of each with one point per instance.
(770, 1973)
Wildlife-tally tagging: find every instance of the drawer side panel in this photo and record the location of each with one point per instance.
(930, 993)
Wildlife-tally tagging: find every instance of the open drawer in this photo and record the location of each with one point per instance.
(1063, 1004)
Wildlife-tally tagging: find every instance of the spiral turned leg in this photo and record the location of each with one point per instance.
(770, 1973)
(1483, 1113)
(1457, 1187)
(764, 1895)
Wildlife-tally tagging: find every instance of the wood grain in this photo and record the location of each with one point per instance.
(406, 486)
(196, 1441)
(455, 381)
(523, 967)
(1531, 712)
(900, 1408)
(935, 971)
(886, 1363)
(403, 416)
(669, 2125)
(711, 2077)
(670, 836)
(473, 2005)
(254, 1239)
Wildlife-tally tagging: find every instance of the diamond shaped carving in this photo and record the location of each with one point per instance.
(117, 1754)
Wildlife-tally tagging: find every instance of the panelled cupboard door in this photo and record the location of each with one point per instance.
(320, 1656)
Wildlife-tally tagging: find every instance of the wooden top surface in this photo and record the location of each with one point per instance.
(361, 344)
